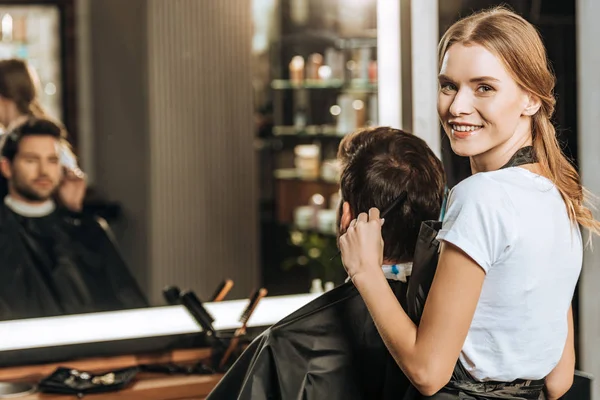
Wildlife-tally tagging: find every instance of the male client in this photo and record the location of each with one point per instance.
(52, 261)
(330, 348)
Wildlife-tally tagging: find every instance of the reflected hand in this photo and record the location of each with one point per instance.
(71, 191)
(362, 245)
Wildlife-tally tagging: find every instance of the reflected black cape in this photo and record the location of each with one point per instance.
(78, 270)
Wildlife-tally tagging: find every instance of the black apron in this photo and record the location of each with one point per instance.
(462, 386)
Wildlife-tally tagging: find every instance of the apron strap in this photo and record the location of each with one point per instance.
(525, 155)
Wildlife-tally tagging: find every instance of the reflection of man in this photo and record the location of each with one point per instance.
(52, 261)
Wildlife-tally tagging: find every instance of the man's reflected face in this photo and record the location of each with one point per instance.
(36, 171)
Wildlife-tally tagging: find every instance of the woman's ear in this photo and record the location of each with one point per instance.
(346, 217)
(532, 106)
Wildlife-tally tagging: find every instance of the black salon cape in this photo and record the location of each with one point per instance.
(63, 263)
(328, 349)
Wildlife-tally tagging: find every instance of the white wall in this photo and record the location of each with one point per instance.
(588, 64)
(407, 37)
(424, 30)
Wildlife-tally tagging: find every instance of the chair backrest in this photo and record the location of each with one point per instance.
(581, 389)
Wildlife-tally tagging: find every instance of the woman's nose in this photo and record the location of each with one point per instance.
(461, 104)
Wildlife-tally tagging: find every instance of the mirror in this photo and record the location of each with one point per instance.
(208, 136)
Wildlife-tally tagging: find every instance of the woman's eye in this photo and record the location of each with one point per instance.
(447, 87)
(485, 88)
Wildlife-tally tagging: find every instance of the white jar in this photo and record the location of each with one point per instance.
(303, 217)
(307, 160)
(327, 221)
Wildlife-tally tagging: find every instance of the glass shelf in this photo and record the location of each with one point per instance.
(291, 174)
(280, 84)
(311, 131)
(312, 36)
(356, 85)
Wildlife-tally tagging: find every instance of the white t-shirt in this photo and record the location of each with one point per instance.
(515, 225)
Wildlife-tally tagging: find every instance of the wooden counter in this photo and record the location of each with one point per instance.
(145, 386)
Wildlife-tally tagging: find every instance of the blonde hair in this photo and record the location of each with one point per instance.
(519, 46)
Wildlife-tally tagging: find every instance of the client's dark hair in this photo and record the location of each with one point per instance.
(378, 164)
(33, 126)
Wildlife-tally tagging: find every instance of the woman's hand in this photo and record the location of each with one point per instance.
(71, 191)
(362, 245)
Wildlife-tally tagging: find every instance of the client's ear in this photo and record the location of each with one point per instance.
(347, 217)
(5, 168)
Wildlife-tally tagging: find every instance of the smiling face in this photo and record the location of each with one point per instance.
(483, 110)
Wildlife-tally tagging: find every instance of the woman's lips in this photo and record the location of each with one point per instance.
(464, 131)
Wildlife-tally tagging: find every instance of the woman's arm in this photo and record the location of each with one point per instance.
(427, 353)
(560, 380)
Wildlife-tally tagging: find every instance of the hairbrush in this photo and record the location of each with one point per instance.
(244, 318)
(222, 290)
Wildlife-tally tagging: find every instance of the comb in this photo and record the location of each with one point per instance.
(384, 214)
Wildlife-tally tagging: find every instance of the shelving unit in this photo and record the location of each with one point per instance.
(310, 105)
